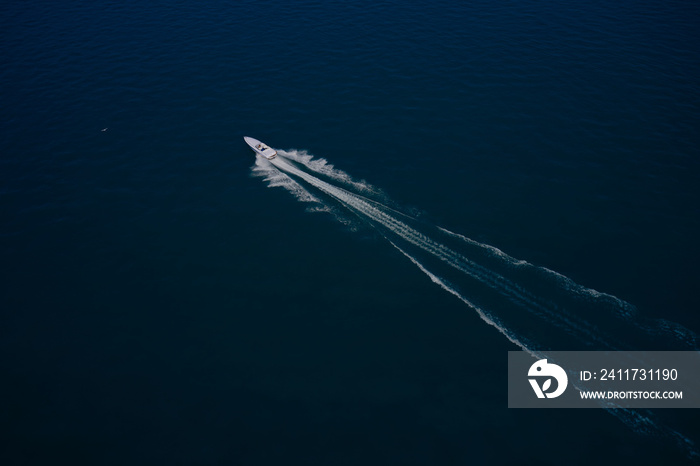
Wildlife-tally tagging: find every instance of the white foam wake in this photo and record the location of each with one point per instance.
(624, 308)
(298, 172)
(485, 316)
(512, 291)
(322, 167)
(275, 178)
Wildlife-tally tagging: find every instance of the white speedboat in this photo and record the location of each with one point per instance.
(262, 149)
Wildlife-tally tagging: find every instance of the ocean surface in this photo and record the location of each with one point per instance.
(167, 298)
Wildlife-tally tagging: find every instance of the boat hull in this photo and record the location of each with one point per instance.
(261, 148)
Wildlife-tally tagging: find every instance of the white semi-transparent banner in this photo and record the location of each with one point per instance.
(604, 379)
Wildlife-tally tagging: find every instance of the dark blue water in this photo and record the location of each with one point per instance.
(161, 305)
